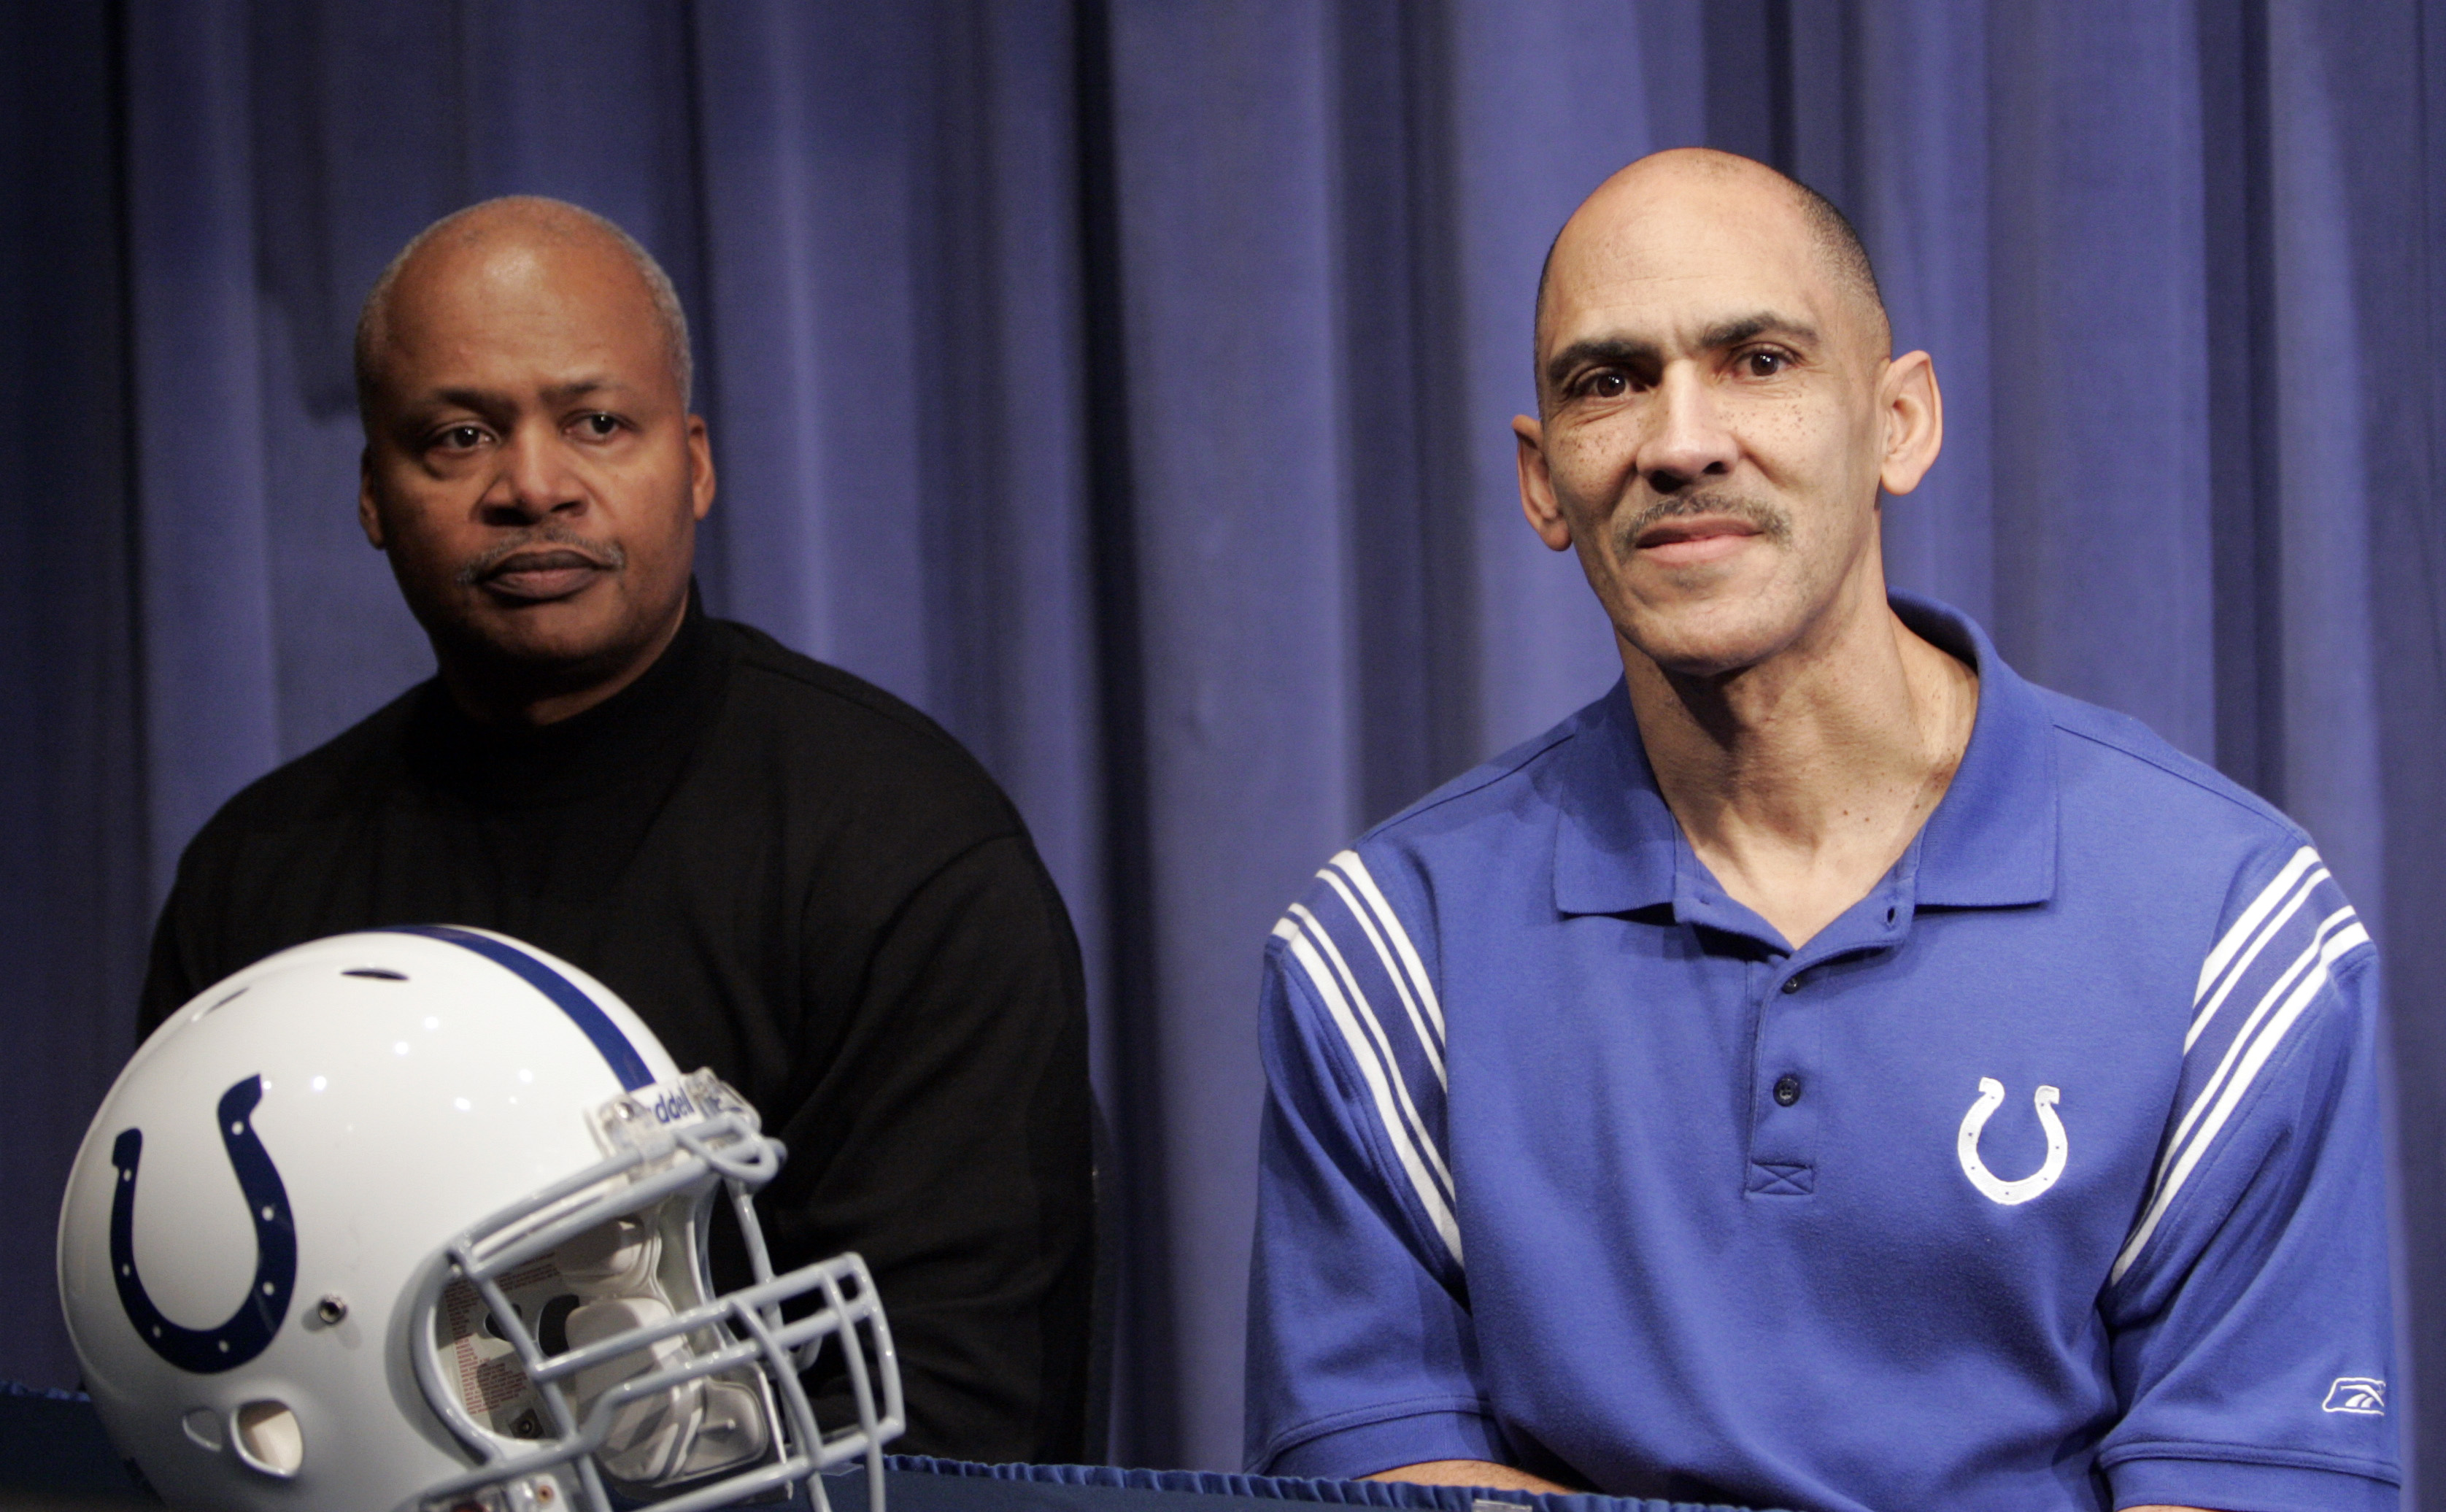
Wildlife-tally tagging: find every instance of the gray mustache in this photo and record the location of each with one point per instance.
(1772, 523)
(605, 554)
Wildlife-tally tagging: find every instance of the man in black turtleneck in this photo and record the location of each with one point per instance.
(795, 877)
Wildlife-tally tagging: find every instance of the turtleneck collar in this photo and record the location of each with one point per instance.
(638, 735)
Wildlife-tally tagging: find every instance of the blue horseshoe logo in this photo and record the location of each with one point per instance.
(249, 1330)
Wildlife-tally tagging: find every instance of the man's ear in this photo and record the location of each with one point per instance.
(367, 516)
(700, 447)
(1537, 485)
(1913, 410)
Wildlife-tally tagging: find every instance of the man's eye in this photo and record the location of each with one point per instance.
(598, 426)
(1607, 385)
(1764, 364)
(461, 438)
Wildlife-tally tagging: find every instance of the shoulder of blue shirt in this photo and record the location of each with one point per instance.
(2155, 765)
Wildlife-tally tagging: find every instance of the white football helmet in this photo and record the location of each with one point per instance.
(415, 1220)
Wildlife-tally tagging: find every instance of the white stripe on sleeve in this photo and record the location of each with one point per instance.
(1393, 972)
(2259, 942)
(2346, 935)
(2249, 923)
(1423, 1183)
(1374, 1026)
(1356, 870)
(2239, 1046)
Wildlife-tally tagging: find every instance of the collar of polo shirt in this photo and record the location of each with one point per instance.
(1990, 843)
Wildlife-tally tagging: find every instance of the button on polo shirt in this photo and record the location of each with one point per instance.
(2013, 1183)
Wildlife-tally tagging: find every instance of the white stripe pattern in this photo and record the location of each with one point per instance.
(1352, 867)
(1412, 1124)
(2260, 1032)
(2300, 875)
(2310, 958)
(1430, 1181)
(1432, 1043)
(2249, 923)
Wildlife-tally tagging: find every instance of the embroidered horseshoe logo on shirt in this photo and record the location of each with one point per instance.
(1991, 1097)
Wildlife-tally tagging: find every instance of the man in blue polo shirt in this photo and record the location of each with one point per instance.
(1827, 1071)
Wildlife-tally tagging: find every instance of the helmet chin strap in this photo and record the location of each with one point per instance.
(690, 1429)
(694, 1427)
(611, 1281)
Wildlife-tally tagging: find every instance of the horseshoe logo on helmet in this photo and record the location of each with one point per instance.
(1991, 1097)
(246, 1332)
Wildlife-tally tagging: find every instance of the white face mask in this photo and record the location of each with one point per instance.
(608, 1281)
(691, 1430)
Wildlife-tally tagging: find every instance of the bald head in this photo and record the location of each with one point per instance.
(509, 225)
(1706, 181)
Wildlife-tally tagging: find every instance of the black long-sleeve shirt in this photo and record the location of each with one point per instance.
(796, 879)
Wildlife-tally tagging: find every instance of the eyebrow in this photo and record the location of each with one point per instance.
(1621, 350)
(1749, 328)
(580, 387)
(485, 398)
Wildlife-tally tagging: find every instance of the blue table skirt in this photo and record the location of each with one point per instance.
(53, 1453)
(1400, 1495)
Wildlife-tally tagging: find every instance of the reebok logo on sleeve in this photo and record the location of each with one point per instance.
(2360, 1394)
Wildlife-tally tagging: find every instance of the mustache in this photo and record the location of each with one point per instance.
(1769, 521)
(603, 554)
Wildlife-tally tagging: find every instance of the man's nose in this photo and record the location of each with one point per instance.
(534, 478)
(1687, 437)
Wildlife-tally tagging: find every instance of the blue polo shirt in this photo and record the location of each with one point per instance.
(2049, 1176)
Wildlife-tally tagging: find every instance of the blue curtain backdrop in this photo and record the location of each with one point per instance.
(1125, 383)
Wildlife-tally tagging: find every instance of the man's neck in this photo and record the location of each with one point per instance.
(1800, 780)
(515, 698)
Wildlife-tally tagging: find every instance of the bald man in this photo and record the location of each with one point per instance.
(1827, 1071)
(795, 877)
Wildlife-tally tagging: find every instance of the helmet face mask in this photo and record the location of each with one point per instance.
(609, 1281)
(496, 1294)
(574, 1329)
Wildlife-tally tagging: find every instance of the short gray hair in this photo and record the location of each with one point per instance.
(375, 319)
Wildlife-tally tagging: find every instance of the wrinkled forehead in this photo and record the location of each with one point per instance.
(1664, 266)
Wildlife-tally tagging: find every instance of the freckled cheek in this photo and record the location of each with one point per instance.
(1594, 463)
(1793, 445)
(1785, 422)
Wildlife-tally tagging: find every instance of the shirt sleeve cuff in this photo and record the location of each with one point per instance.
(2230, 1485)
(1341, 1453)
